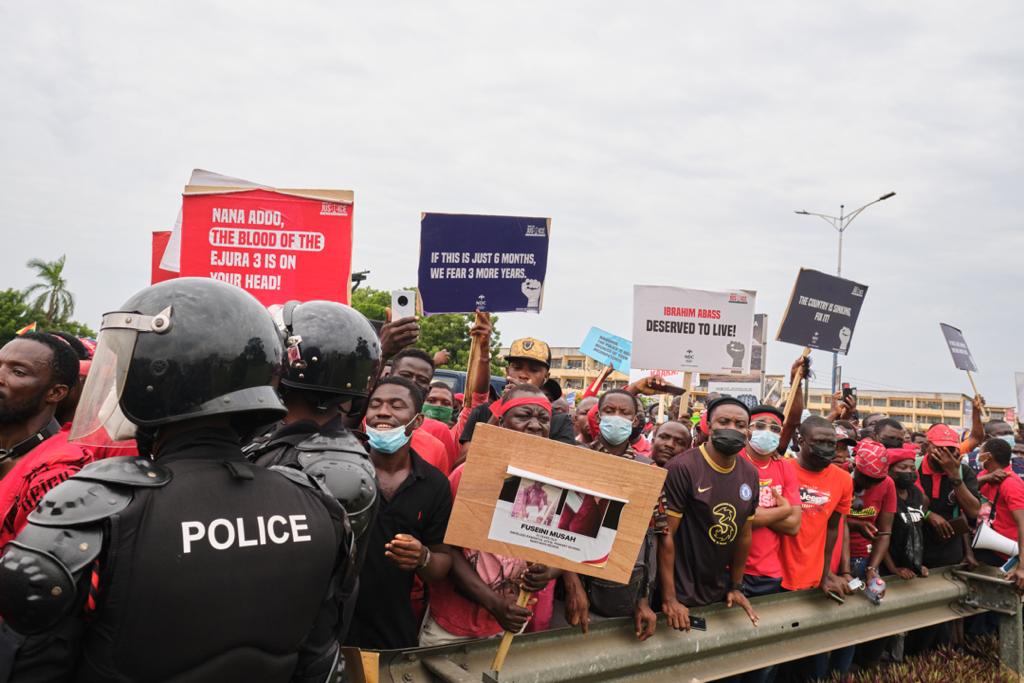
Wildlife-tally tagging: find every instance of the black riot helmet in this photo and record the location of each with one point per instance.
(181, 349)
(330, 348)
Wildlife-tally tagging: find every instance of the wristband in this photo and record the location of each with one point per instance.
(956, 482)
(426, 559)
(737, 586)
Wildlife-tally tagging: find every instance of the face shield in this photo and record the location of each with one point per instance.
(99, 420)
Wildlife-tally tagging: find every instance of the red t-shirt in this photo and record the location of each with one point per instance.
(1011, 497)
(442, 432)
(430, 449)
(36, 472)
(821, 494)
(460, 616)
(764, 559)
(867, 505)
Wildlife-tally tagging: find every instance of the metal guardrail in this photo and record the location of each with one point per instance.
(792, 625)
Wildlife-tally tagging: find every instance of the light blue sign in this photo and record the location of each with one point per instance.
(608, 349)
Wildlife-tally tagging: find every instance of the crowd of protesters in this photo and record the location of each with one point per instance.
(757, 499)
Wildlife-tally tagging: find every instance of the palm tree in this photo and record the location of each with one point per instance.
(53, 295)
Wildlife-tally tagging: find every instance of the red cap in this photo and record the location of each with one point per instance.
(942, 435)
(871, 459)
(900, 454)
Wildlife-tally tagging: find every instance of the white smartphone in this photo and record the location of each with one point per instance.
(403, 304)
(856, 584)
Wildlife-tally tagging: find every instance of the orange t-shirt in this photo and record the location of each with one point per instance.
(821, 494)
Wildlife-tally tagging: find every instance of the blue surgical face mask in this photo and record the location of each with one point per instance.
(1009, 438)
(764, 441)
(388, 440)
(615, 429)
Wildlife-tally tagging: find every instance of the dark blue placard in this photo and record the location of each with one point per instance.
(822, 311)
(490, 263)
(962, 357)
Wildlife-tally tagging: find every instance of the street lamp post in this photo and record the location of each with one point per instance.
(841, 223)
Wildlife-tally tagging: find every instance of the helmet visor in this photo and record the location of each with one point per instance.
(99, 420)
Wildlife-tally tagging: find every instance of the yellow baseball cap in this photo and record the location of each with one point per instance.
(532, 349)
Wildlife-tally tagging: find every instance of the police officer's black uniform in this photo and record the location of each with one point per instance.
(332, 355)
(196, 566)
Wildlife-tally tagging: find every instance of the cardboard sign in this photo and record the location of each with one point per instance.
(822, 312)
(608, 349)
(962, 357)
(277, 245)
(692, 330)
(543, 501)
(748, 392)
(159, 244)
(487, 263)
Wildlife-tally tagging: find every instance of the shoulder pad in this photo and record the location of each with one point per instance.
(36, 590)
(126, 470)
(80, 501)
(296, 476)
(338, 442)
(74, 547)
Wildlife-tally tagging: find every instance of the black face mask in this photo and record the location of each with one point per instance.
(820, 456)
(892, 442)
(904, 480)
(728, 441)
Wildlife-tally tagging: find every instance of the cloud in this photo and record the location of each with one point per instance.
(669, 144)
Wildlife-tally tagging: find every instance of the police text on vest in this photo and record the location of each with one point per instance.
(222, 534)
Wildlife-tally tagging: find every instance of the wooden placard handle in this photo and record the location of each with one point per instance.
(795, 386)
(984, 408)
(506, 639)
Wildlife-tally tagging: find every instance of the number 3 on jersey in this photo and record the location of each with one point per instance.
(724, 531)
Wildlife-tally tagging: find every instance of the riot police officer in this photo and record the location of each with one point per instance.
(192, 565)
(332, 354)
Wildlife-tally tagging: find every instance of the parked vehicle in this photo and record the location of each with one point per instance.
(456, 379)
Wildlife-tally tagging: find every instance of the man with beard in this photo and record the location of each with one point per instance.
(37, 370)
(711, 498)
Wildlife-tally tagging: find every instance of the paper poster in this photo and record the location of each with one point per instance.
(748, 392)
(822, 312)
(158, 245)
(534, 511)
(276, 246)
(692, 329)
(962, 357)
(490, 263)
(608, 349)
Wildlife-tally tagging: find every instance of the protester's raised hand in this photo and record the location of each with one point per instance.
(978, 402)
(395, 335)
(943, 528)
(676, 614)
(797, 364)
(441, 357)
(481, 326)
(735, 597)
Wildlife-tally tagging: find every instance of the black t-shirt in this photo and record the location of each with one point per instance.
(907, 543)
(561, 425)
(938, 552)
(714, 504)
(383, 618)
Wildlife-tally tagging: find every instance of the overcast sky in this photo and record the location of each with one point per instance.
(669, 142)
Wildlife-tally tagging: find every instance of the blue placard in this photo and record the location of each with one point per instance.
(490, 263)
(608, 349)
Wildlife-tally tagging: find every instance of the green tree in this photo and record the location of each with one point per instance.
(445, 331)
(52, 295)
(16, 312)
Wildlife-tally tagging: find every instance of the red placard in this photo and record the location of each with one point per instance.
(276, 246)
(156, 273)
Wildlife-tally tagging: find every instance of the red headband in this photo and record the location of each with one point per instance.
(500, 407)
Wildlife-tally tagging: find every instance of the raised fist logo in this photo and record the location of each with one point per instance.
(844, 337)
(736, 351)
(531, 290)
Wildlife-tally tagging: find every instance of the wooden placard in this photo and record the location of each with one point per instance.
(494, 449)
